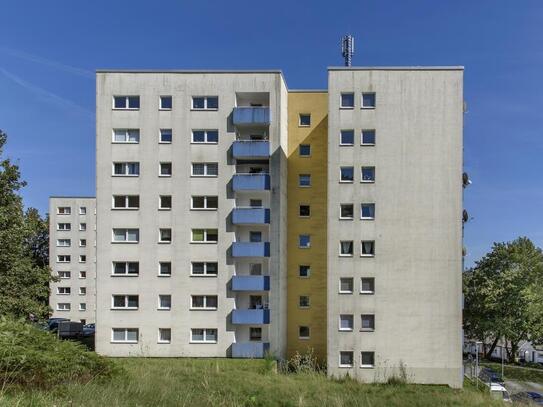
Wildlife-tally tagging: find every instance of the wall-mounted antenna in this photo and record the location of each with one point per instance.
(347, 49)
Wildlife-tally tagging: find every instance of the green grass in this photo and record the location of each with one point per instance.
(513, 372)
(228, 382)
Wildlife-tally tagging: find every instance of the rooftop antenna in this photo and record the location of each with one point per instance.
(347, 49)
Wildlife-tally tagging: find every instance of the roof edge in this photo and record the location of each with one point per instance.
(396, 68)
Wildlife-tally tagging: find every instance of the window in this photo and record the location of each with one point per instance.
(203, 335)
(255, 269)
(165, 103)
(304, 180)
(346, 248)
(305, 120)
(126, 268)
(368, 248)
(82, 242)
(82, 306)
(205, 136)
(368, 174)
(367, 285)
(63, 306)
(164, 335)
(64, 274)
(82, 274)
(346, 211)
(165, 136)
(128, 169)
(346, 322)
(165, 302)
(64, 210)
(205, 169)
(64, 242)
(347, 100)
(165, 269)
(305, 150)
(82, 227)
(82, 258)
(368, 322)
(303, 332)
(64, 226)
(304, 241)
(165, 202)
(126, 102)
(303, 301)
(367, 359)
(346, 174)
(126, 136)
(82, 210)
(367, 211)
(165, 170)
(204, 236)
(346, 285)
(124, 335)
(203, 302)
(82, 290)
(368, 100)
(368, 137)
(126, 201)
(205, 102)
(255, 236)
(204, 202)
(126, 235)
(64, 258)
(165, 235)
(255, 334)
(305, 211)
(346, 138)
(345, 359)
(304, 271)
(255, 203)
(124, 302)
(204, 269)
(64, 290)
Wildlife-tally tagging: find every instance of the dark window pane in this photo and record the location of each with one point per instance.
(368, 136)
(119, 268)
(212, 235)
(305, 210)
(347, 100)
(133, 301)
(305, 149)
(198, 103)
(133, 201)
(212, 102)
(368, 173)
(166, 268)
(118, 301)
(133, 268)
(165, 102)
(198, 136)
(305, 120)
(166, 136)
(347, 211)
(211, 301)
(119, 201)
(304, 271)
(134, 102)
(368, 100)
(347, 137)
(213, 202)
(197, 268)
(368, 210)
(212, 136)
(120, 102)
(211, 268)
(347, 174)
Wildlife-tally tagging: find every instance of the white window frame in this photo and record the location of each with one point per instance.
(367, 366)
(205, 103)
(362, 137)
(82, 306)
(341, 100)
(361, 212)
(66, 227)
(367, 255)
(126, 136)
(160, 132)
(352, 359)
(165, 163)
(341, 205)
(206, 207)
(125, 335)
(67, 256)
(205, 307)
(362, 106)
(125, 235)
(82, 258)
(66, 309)
(205, 174)
(367, 181)
(362, 329)
(160, 307)
(82, 210)
(308, 240)
(81, 276)
(125, 307)
(205, 334)
(68, 242)
(64, 290)
(205, 241)
(82, 290)
(64, 274)
(164, 341)
(367, 292)
(341, 143)
(61, 210)
(126, 104)
(160, 263)
(160, 102)
(82, 227)
(300, 151)
(351, 291)
(125, 165)
(341, 181)
(205, 273)
(341, 318)
(126, 268)
(300, 120)
(126, 201)
(160, 240)
(206, 141)
(346, 255)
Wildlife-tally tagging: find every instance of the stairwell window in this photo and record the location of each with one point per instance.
(202, 269)
(304, 211)
(82, 274)
(126, 136)
(82, 290)
(367, 322)
(346, 248)
(205, 136)
(82, 258)
(303, 301)
(205, 169)
(82, 242)
(304, 241)
(255, 334)
(205, 102)
(305, 120)
(367, 211)
(126, 102)
(165, 169)
(126, 235)
(346, 100)
(165, 103)
(346, 138)
(304, 180)
(368, 100)
(165, 302)
(164, 335)
(368, 174)
(205, 236)
(126, 201)
(346, 359)
(203, 335)
(368, 138)
(82, 210)
(129, 302)
(368, 248)
(304, 271)
(304, 150)
(304, 332)
(82, 306)
(124, 335)
(83, 227)
(165, 136)
(126, 268)
(203, 302)
(126, 169)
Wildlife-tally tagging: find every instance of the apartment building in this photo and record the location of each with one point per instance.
(237, 217)
(72, 253)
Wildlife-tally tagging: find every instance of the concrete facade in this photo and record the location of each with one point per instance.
(76, 286)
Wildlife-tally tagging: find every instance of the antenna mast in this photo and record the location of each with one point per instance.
(347, 49)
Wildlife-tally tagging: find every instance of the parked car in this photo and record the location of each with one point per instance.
(498, 392)
(528, 397)
(89, 330)
(489, 375)
(52, 323)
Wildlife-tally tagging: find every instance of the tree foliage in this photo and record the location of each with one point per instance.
(503, 296)
(24, 271)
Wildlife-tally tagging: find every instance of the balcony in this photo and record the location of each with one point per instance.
(251, 182)
(251, 316)
(251, 116)
(251, 149)
(250, 350)
(251, 249)
(250, 283)
(250, 216)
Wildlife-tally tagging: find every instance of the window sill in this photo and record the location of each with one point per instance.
(203, 342)
(345, 330)
(164, 242)
(367, 330)
(367, 255)
(304, 156)
(367, 366)
(164, 142)
(164, 275)
(63, 310)
(123, 309)
(346, 218)
(367, 292)
(125, 142)
(367, 218)
(203, 209)
(125, 209)
(345, 255)
(114, 242)
(304, 125)
(193, 109)
(304, 186)
(304, 338)
(346, 182)
(299, 306)
(367, 182)
(203, 242)
(133, 109)
(124, 275)
(164, 342)
(367, 107)
(204, 142)
(346, 145)
(163, 109)
(303, 247)
(164, 209)
(345, 366)
(368, 144)
(125, 175)
(164, 176)
(345, 292)
(204, 275)
(202, 309)
(124, 342)
(346, 108)
(163, 309)
(203, 176)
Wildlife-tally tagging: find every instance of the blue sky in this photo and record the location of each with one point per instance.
(49, 51)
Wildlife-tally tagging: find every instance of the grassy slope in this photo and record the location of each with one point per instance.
(520, 373)
(223, 382)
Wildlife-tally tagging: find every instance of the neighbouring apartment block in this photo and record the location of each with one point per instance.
(237, 218)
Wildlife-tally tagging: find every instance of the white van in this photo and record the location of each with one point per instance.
(498, 392)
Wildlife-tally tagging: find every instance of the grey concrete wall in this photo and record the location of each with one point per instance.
(417, 229)
(74, 267)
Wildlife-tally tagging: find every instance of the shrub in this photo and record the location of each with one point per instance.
(304, 363)
(32, 357)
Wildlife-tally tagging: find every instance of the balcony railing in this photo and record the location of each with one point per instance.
(250, 216)
(250, 283)
(251, 116)
(251, 249)
(251, 316)
(251, 182)
(251, 149)
(250, 350)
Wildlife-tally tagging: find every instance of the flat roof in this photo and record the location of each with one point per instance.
(396, 68)
(276, 71)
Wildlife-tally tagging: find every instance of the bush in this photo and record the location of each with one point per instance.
(31, 357)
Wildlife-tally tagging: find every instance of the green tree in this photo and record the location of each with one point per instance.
(503, 296)
(24, 274)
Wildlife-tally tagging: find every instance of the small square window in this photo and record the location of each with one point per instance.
(82, 242)
(346, 211)
(165, 202)
(346, 322)
(304, 301)
(82, 227)
(82, 258)
(82, 210)
(165, 236)
(255, 334)
(346, 285)
(255, 236)
(166, 103)
(304, 180)
(346, 248)
(303, 332)
(304, 241)
(368, 248)
(165, 136)
(367, 322)
(304, 271)
(368, 100)
(255, 203)
(367, 359)
(367, 210)
(165, 302)
(305, 150)
(165, 169)
(346, 359)
(368, 137)
(82, 274)
(368, 174)
(346, 138)
(367, 285)
(305, 211)
(346, 174)
(82, 306)
(165, 269)
(255, 269)
(164, 335)
(305, 120)
(347, 100)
